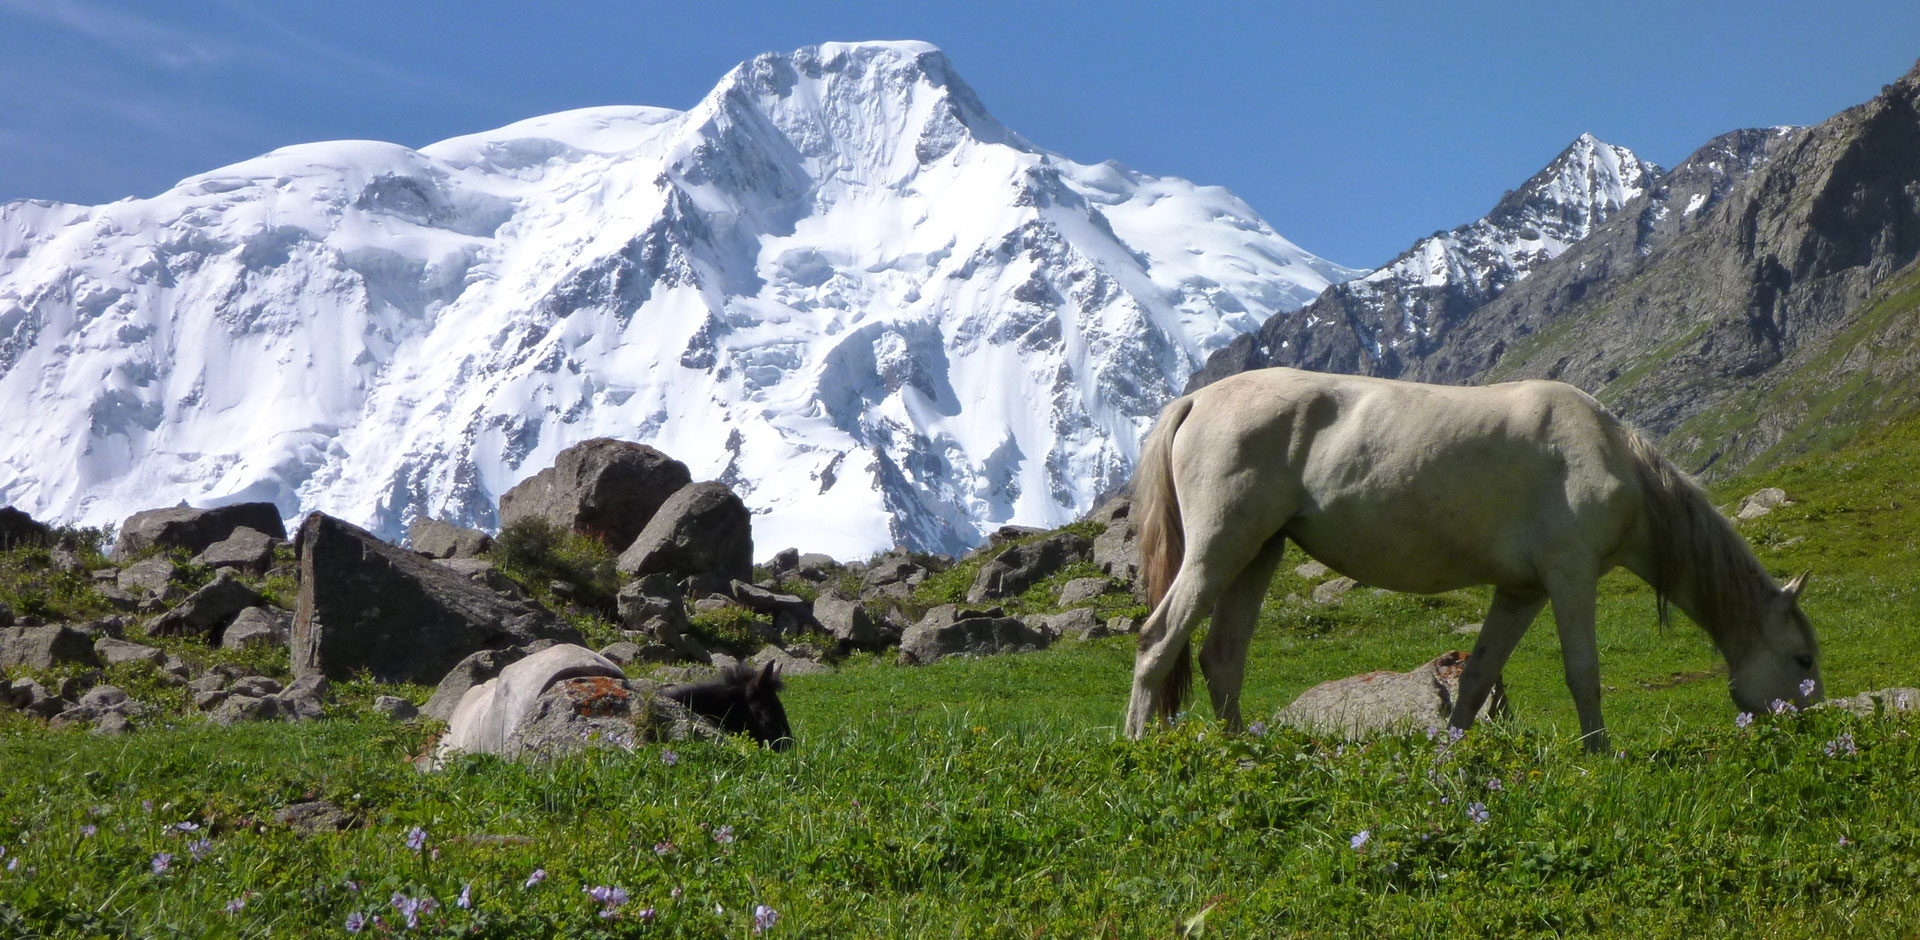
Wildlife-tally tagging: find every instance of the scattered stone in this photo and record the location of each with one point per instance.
(787, 663)
(1887, 701)
(1023, 566)
(395, 707)
(367, 605)
(1326, 592)
(930, 640)
(1080, 623)
(206, 612)
(814, 566)
(149, 577)
(894, 573)
(114, 652)
(1012, 533)
(33, 698)
(653, 606)
(45, 647)
(313, 816)
(783, 562)
(194, 529)
(437, 539)
(1081, 590)
(1312, 570)
(258, 626)
(1123, 625)
(703, 531)
(113, 724)
(849, 623)
(247, 549)
(1384, 701)
(1116, 551)
(602, 487)
(1761, 502)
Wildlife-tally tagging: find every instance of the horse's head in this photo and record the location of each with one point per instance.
(766, 718)
(744, 701)
(1783, 662)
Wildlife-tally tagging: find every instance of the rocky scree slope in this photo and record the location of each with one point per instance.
(837, 284)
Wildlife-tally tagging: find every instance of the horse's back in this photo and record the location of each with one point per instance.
(1407, 485)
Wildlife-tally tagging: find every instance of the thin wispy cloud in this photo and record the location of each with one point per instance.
(126, 33)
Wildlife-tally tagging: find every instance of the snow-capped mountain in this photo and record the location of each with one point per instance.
(836, 283)
(1380, 322)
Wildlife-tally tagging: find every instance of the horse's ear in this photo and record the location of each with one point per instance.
(769, 677)
(1795, 585)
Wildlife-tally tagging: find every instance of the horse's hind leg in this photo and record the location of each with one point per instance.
(1223, 657)
(1205, 571)
(1507, 621)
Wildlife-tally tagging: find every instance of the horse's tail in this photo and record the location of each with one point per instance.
(1157, 509)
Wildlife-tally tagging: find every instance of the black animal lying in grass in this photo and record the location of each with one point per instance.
(743, 701)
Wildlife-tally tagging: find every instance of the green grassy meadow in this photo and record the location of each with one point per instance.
(992, 798)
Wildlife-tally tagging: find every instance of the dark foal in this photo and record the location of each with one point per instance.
(743, 701)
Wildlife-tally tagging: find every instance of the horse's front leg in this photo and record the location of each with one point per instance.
(1507, 621)
(1580, 654)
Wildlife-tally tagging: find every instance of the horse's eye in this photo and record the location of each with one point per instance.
(1806, 662)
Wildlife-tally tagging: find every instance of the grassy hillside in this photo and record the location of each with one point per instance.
(990, 798)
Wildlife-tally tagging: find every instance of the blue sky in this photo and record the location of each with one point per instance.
(1354, 128)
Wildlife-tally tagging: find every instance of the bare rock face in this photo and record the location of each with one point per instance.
(702, 531)
(1761, 502)
(1384, 701)
(195, 529)
(365, 604)
(602, 487)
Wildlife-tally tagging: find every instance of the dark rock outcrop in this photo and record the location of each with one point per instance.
(18, 528)
(702, 531)
(365, 604)
(194, 529)
(206, 612)
(602, 487)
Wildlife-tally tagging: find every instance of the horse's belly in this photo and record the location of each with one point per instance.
(1398, 559)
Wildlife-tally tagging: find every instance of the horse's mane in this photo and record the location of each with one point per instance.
(1696, 549)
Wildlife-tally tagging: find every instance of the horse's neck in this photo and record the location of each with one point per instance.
(1719, 583)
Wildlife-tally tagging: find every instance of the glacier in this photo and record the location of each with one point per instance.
(837, 284)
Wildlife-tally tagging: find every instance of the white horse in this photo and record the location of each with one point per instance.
(1531, 487)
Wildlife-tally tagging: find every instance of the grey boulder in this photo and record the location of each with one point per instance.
(603, 487)
(194, 529)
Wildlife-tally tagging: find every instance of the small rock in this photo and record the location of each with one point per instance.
(249, 550)
(1123, 625)
(45, 647)
(395, 707)
(1312, 570)
(257, 626)
(207, 611)
(1762, 502)
(437, 539)
(1080, 623)
(1326, 592)
(313, 816)
(114, 652)
(150, 577)
(789, 664)
(113, 724)
(256, 686)
(1081, 590)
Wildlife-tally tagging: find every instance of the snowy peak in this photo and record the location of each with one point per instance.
(837, 283)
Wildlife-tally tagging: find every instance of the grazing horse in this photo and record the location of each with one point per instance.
(1531, 487)
(743, 701)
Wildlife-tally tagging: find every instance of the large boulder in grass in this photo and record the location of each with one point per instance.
(195, 529)
(1025, 565)
(949, 631)
(603, 487)
(367, 605)
(703, 531)
(1385, 701)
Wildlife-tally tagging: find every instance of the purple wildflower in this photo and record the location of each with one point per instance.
(647, 914)
(1806, 688)
(539, 875)
(1743, 719)
(723, 835)
(1257, 729)
(675, 893)
(663, 848)
(412, 908)
(1844, 842)
(764, 917)
(465, 900)
(669, 758)
(611, 897)
(162, 862)
(88, 830)
(1360, 839)
(200, 848)
(1495, 785)
(416, 838)
(356, 922)
(187, 826)
(1433, 733)
(234, 906)
(1478, 812)
(14, 863)
(1455, 734)
(1842, 746)
(1781, 706)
